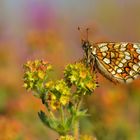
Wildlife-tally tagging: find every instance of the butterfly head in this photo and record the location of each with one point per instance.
(86, 46)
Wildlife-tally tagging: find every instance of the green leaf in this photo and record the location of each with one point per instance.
(55, 124)
(51, 123)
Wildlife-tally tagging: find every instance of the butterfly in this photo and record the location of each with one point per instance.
(117, 61)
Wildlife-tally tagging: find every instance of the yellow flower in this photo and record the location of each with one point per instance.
(89, 85)
(64, 100)
(66, 91)
(53, 97)
(41, 74)
(49, 84)
(57, 87)
(83, 74)
(55, 105)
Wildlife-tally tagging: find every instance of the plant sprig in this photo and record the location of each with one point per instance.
(62, 98)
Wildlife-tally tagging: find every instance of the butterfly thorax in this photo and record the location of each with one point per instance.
(90, 51)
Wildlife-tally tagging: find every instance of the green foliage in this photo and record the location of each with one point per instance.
(55, 124)
(62, 98)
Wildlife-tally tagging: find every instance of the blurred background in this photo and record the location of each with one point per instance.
(46, 29)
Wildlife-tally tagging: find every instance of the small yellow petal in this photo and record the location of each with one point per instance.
(53, 97)
(83, 74)
(49, 84)
(89, 85)
(41, 74)
(64, 100)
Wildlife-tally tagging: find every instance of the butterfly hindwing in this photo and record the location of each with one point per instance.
(119, 62)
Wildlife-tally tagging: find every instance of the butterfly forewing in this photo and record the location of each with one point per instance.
(119, 62)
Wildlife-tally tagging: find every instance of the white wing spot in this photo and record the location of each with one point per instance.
(122, 49)
(106, 60)
(139, 57)
(120, 65)
(91, 47)
(127, 57)
(119, 70)
(132, 72)
(124, 45)
(135, 46)
(104, 54)
(103, 49)
(94, 51)
(127, 53)
(113, 72)
(124, 61)
(138, 50)
(102, 45)
(135, 67)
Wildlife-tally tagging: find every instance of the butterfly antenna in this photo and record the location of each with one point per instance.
(81, 34)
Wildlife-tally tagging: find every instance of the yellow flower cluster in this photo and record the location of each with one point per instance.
(35, 74)
(80, 76)
(59, 93)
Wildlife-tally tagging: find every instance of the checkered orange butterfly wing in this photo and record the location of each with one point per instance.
(119, 62)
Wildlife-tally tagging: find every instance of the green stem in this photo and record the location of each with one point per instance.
(76, 125)
(62, 121)
(76, 130)
(79, 103)
(62, 114)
